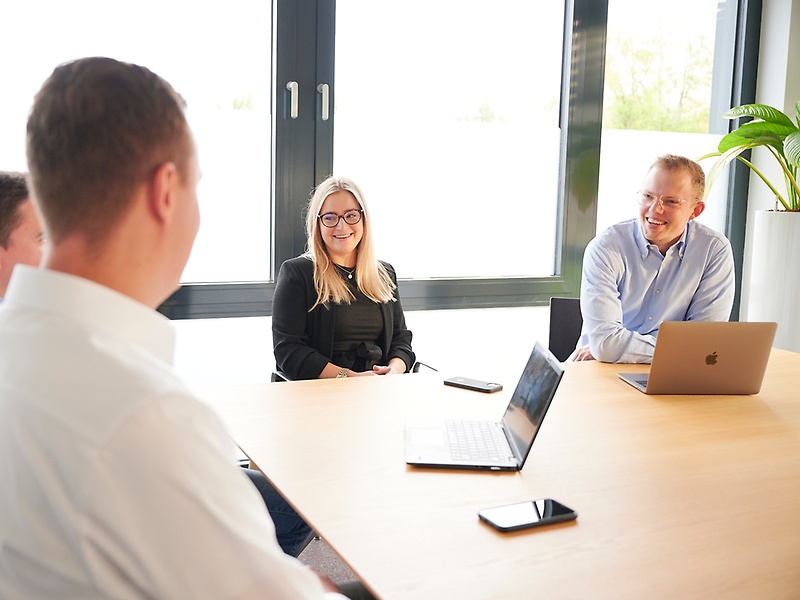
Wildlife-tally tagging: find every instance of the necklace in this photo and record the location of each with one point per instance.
(349, 271)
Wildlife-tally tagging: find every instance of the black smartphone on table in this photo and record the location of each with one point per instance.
(534, 513)
(473, 384)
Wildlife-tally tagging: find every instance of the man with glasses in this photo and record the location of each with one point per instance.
(661, 266)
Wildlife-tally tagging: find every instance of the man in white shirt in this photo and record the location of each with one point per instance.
(93, 420)
(21, 234)
(21, 242)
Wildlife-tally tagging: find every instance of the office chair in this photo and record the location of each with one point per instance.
(565, 326)
(278, 376)
(416, 366)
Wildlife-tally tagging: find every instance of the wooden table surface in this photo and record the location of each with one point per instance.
(677, 496)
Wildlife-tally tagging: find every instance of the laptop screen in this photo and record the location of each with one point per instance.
(531, 399)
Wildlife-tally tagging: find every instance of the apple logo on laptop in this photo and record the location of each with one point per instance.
(711, 359)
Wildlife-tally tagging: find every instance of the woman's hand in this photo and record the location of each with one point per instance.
(371, 373)
(395, 366)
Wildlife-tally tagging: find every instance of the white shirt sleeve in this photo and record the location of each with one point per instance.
(182, 520)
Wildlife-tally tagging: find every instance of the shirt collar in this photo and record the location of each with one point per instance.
(96, 306)
(646, 247)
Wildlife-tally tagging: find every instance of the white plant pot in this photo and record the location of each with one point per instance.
(775, 275)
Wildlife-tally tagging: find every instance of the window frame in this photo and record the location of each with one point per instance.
(298, 58)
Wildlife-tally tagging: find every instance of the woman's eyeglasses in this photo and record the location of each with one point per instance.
(331, 219)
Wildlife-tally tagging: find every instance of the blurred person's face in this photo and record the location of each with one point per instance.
(24, 244)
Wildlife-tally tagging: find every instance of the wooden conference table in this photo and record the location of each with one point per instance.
(677, 496)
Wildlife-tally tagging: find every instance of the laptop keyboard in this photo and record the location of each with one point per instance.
(476, 440)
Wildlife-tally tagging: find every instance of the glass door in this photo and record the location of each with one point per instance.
(447, 115)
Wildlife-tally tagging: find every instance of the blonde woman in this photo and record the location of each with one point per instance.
(336, 311)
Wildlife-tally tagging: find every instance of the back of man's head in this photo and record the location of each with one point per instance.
(13, 192)
(98, 128)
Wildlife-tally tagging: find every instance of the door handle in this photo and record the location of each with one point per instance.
(324, 89)
(293, 100)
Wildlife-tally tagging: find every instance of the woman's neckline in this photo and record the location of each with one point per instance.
(349, 271)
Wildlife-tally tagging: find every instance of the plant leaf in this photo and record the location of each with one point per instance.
(709, 155)
(767, 113)
(757, 132)
(791, 147)
(721, 163)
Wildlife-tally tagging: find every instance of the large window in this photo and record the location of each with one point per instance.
(474, 127)
(449, 122)
(667, 84)
(217, 60)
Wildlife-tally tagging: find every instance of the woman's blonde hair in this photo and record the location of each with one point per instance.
(371, 277)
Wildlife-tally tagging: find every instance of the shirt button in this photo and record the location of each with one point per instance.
(649, 318)
(658, 291)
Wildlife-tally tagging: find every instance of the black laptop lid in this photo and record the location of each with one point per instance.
(532, 397)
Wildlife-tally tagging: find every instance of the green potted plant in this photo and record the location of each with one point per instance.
(774, 263)
(773, 130)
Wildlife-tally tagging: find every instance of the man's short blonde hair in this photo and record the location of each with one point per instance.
(674, 162)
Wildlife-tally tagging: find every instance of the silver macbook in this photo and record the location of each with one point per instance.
(495, 445)
(702, 357)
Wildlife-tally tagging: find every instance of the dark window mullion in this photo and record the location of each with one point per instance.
(294, 139)
(743, 91)
(582, 86)
(326, 38)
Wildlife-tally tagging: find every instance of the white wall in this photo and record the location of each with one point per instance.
(778, 85)
(481, 343)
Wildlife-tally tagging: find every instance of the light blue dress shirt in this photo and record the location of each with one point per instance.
(629, 288)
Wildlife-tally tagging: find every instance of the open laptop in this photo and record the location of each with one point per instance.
(703, 357)
(493, 445)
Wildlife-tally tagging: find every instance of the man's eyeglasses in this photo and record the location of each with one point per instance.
(331, 219)
(667, 204)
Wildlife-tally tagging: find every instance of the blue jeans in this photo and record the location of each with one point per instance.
(293, 533)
